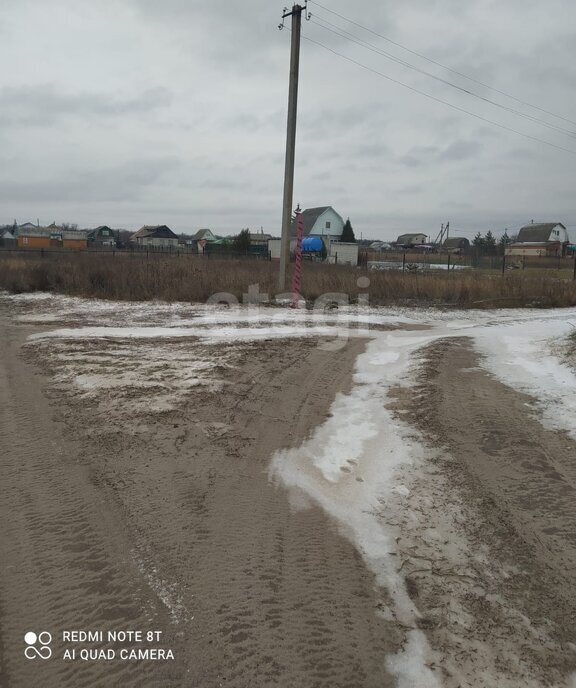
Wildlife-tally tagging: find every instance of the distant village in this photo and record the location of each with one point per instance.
(327, 237)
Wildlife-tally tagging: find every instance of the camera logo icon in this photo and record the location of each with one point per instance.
(38, 646)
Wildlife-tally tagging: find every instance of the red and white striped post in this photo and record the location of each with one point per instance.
(298, 264)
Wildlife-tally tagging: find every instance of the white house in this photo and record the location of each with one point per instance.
(323, 221)
(540, 239)
(411, 239)
(204, 235)
(553, 232)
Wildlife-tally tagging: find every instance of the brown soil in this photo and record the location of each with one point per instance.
(150, 508)
(167, 521)
(492, 563)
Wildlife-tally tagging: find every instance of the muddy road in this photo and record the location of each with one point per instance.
(137, 495)
(168, 522)
(502, 487)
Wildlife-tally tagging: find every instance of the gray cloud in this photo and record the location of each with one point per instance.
(126, 182)
(129, 111)
(44, 104)
(461, 150)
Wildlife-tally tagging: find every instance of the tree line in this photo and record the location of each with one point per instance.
(488, 245)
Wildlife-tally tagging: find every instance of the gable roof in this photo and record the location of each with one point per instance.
(407, 238)
(149, 231)
(6, 234)
(97, 231)
(202, 234)
(310, 216)
(456, 242)
(537, 232)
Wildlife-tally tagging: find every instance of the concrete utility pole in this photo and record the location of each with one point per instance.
(296, 15)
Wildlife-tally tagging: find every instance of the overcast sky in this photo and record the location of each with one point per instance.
(132, 112)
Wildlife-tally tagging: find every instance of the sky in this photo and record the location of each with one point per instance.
(133, 112)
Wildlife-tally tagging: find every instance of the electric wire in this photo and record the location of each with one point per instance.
(443, 66)
(439, 100)
(369, 46)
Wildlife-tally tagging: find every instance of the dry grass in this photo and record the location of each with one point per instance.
(195, 279)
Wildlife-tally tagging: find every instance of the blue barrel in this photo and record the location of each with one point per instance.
(312, 244)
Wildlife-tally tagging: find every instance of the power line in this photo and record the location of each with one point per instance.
(369, 46)
(439, 100)
(443, 66)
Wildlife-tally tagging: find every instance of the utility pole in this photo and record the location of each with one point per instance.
(296, 15)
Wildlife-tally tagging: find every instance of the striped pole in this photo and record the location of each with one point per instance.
(298, 265)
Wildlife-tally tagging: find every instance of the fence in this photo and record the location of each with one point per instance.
(409, 260)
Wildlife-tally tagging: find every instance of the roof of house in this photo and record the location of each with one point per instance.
(203, 234)
(98, 230)
(456, 242)
(151, 231)
(405, 238)
(6, 234)
(28, 225)
(537, 231)
(55, 231)
(75, 236)
(310, 216)
(260, 236)
(37, 232)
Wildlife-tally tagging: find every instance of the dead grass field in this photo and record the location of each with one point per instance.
(196, 279)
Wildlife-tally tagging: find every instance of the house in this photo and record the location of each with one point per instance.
(203, 237)
(101, 236)
(259, 238)
(535, 248)
(456, 245)
(74, 240)
(38, 238)
(409, 240)
(379, 246)
(26, 227)
(540, 239)
(553, 232)
(323, 221)
(155, 236)
(186, 241)
(53, 237)
(7, 238)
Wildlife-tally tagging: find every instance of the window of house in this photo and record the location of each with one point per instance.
(25, 239)
(327, 225)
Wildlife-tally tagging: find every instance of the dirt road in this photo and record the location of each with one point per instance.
(504, 488)
(175, 527)
(137, 496)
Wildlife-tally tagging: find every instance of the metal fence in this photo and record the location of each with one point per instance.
(414, 261)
